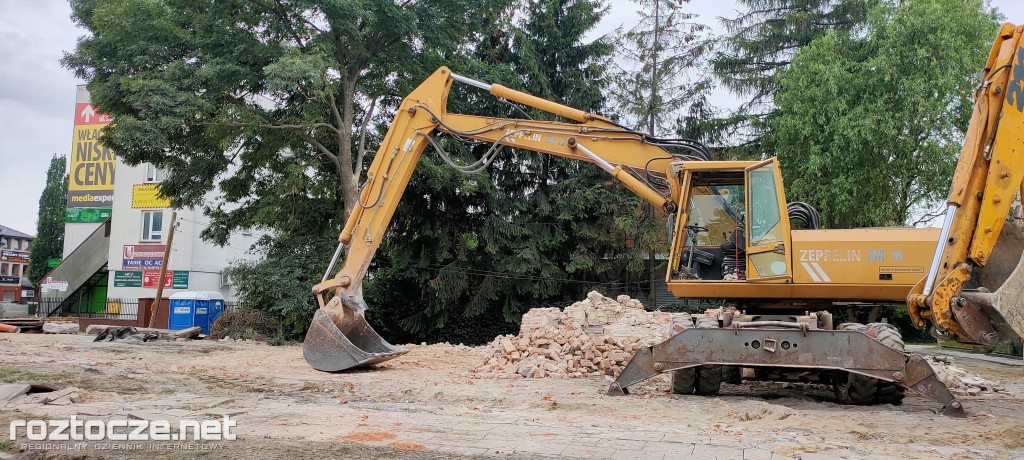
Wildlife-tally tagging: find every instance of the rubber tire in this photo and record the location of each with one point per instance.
(851, 388)
(709, 379)
(681, 382)
(732, 374)
(889, 335)
(708, 376)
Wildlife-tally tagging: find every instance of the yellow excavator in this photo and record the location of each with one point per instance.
(732, 240)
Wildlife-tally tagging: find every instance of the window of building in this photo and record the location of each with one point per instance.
(14, 269)
(3, 269)
(154, 174)
(152, 225)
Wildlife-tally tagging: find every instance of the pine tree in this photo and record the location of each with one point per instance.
(468, 255)
(658, 66)
(49, 242)
(762, 43)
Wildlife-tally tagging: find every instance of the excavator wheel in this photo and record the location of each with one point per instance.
(709, 379)
(732, 374)
(889, 335)
(709, 376)
(682, 381)
(851, 388)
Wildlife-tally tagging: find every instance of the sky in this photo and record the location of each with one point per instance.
(37, 95)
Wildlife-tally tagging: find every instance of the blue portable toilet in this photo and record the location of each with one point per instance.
(216, 308)
(190, 309)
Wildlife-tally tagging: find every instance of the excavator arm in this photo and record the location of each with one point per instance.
(339, 337)
(975, 249)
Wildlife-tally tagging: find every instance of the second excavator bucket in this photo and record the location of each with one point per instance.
(340, 338)
(993, 306)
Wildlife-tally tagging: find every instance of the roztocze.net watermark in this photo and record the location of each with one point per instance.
(75, 429)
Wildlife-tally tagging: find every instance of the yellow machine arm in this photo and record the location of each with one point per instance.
(988, 177)
(339, 337)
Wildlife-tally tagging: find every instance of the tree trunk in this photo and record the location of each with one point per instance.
(349, 178)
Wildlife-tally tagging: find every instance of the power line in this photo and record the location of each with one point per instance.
(507, 275)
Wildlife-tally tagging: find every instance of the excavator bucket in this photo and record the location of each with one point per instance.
(340, 338)
(993, 306)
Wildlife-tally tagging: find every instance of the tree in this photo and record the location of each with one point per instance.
(49, 242)
(870, 124)
(467, 255)
(199, 85)
(761, 43)
(266, 103)
(657, 64)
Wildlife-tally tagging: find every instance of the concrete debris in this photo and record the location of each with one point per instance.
(13, 390)
(593, 337)
(60, 328)
(34, 392)
(959, 381)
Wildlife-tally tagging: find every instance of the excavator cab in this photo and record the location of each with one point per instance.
(732, 216)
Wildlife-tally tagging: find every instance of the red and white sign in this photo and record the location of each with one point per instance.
(85, 114)
(142, 256)
(150, 279)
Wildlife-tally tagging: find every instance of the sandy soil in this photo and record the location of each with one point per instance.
(419, 406)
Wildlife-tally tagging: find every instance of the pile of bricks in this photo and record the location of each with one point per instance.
(594, 337)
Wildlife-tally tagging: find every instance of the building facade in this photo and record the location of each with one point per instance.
(118, 234)
(14, 250)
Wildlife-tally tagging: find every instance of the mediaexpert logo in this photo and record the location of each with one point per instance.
(75, 429)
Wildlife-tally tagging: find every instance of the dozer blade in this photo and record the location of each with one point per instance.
(336, 342)
(994, 308)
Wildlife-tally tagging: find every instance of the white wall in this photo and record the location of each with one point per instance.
(204, 261)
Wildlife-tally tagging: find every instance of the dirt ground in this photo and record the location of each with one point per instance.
(420, 406)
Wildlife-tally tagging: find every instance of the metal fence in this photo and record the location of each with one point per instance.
(119, 309)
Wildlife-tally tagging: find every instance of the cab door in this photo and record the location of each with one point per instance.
(767, 224)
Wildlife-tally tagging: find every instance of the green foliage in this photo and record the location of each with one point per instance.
(870, 124)
(657, 80)
(279, 284)
(49, 242)
(761, 43)
(264, 103)
(276, 89)
(467, 255)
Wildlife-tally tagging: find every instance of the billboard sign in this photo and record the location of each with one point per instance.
(86, 216)
(5, 279)
(20, 257)
(148, 196)
(142, 256)
(91, 175)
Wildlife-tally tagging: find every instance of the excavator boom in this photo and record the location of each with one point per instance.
(339, 337)
(973, 290)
